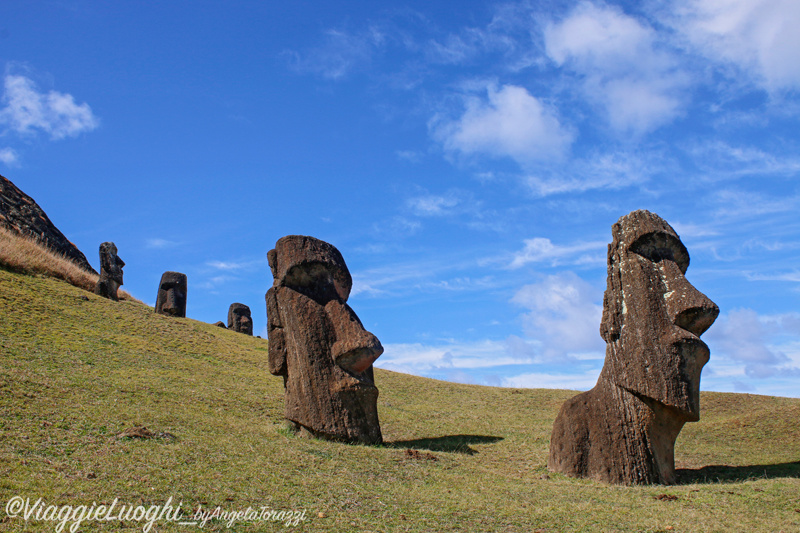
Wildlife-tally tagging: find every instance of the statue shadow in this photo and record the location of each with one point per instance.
(447, 443)
(726, 473)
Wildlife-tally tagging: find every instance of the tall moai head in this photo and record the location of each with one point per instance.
(110, 272)
(239, 319)
(318, 344)
(171, 298)
(653, 316)
(624, 429)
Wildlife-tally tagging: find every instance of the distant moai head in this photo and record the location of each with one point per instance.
(172, 290)
(652, 316)
(318, 344)
(110, 272)
(239, 319)
(624, 429)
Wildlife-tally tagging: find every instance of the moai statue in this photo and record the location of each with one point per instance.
(219, 324)
(318, 344)
(110, 272)
(171, 299)
(239, 319)
(624, 429)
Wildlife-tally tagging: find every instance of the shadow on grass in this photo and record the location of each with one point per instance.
(448, 443)
(725, 473)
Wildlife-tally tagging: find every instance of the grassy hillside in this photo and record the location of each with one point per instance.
(77, 370)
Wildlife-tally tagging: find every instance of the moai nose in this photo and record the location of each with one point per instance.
(688, 308)
(355, 348)
(170, 302)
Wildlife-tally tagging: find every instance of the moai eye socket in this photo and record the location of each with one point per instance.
(312, 279)
(658, 247)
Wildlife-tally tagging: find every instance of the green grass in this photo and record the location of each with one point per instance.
(76, 370)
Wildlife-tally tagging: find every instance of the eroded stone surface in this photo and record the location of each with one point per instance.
(110, 272)
(624, 429)
(239, 319)
(318, 344)
(21, 214)
(172, 291)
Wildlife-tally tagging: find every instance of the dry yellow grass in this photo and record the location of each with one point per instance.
(28, 256)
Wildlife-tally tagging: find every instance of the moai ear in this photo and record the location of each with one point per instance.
(275, 335)
(611, 323)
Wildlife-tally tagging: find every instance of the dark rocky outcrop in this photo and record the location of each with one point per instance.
(624, 429)
(110, 272)
(239, 319)
(219, 324)
(21, 214)
(318, 344)
(172, 292)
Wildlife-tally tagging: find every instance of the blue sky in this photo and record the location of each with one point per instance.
(467, 158)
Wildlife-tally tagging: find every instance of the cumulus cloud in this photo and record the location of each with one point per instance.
(510, 122)
(27, 110)
(563, 316)
(619, 65)
(553, 380)
(759, 37)
(753, 342)
(8, 156)
(421, 359)
(542, 250)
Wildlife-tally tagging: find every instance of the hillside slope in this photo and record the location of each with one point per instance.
(76, 370)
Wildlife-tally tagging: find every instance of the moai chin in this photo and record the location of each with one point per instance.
(318, 344)
(624, 429)
(110, 272)
(171, 299)
(239, 319)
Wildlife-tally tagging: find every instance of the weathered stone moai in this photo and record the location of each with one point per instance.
(624, 429)
(171, 299)
(110, 272)
(239, 319)
(318, 344)
(219, 324)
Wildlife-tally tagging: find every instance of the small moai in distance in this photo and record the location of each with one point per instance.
(239, 319)
(172, 291)
(624, 429)
(219, 324)
(318, 344)
(110, 272)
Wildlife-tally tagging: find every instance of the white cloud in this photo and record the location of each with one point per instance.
(223, 265)
(573, 381)
(421, 359)
(720, 160)
(540, 249)
(758, 36)
(564, 316)
(341, 53)
(8, 156)
(753, 344)
(793, 276)
(431, 205)
(159, 243)
(620, 66)
(509, 123)
(235, 265)
(739, 204)
(616, 170)
(27, 110)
